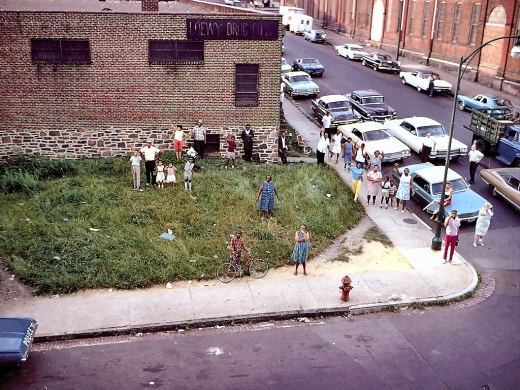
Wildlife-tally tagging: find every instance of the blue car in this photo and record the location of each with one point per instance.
(427, 183)
(16, 338)
(483, 102)
(309, 65)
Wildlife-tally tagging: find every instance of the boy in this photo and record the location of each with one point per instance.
(230, 151)
(188, 172)
(391, 192)
(135, 166)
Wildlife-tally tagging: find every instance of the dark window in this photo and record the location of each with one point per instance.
(457, 15)
(440, 20)
(60, 51)
(176, 52)
(424, 23)
(246, 85)
(411, 18)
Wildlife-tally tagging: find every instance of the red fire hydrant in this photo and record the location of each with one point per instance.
(345, 288)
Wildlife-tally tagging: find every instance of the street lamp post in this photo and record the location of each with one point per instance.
(515, 53)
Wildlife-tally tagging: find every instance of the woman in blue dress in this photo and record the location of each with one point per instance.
(300, 252)
(347, 152)
(266, 195)
(405, 187)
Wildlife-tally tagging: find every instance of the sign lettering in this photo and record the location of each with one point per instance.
(227, 29)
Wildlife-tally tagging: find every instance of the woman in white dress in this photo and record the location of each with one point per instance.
(482, 225)
(405, 187)
(336, 145)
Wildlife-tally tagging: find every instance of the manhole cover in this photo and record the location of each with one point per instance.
(410, 221)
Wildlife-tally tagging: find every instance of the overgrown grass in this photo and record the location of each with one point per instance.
(374, 234)
(46, 237)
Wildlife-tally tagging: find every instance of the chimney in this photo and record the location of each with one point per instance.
(150, 5)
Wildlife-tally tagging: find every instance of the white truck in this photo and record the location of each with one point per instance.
(300, 24)
(287, 14)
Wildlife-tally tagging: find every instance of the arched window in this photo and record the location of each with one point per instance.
(497, 16)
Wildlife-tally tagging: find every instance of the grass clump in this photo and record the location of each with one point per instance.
(88, 229)
(374, 234)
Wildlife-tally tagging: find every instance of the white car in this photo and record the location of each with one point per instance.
(412, 132)
(350, 51)
(286, 68)
(376, 136)
(421, 81)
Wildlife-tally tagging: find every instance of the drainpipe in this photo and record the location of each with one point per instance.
(432, 35)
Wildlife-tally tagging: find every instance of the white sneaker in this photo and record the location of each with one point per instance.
(402, 211)
(395, 208)
(474, 245)
(233, 167)
(225, 167)
(366, 204)
(386, 206)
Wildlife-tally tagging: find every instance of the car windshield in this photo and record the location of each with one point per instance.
(338, 105)
(310, 61)
(384, 57)
(373, 100)
(427, 76)
(356, 49)
(319, 33)
(299, 79)
(456, 185)
(436, 130)
(375, 135)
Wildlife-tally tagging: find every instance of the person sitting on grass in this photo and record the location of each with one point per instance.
(236, 246)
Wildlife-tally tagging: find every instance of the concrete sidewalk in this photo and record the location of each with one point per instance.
(278, 294)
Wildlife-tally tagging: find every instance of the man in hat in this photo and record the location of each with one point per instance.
(149, 153)
(199, 136)
(247, 136)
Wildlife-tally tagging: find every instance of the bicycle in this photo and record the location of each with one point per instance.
(228, 271)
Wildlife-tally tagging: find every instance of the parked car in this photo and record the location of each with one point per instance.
(16, 338)
(505, 183)
(421, 81)
(376, 136)
(350, 51)
(412, 132)
(286, 68)
(309, 65)
(380, 61)
(370, 105)
(299, 84)
(234, 3)
(483, 102)
(317, 36)
(338, 106)
(427, 183)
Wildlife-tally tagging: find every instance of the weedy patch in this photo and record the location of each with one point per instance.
(374, 234)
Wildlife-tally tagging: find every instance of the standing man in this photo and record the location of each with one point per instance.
(282, 147)
(431, 85)
(427, 147)
(323, 147)
(327, 123)
(247, 137)
(452, 225)
(199, 136)
(149, 154)
(474, 156)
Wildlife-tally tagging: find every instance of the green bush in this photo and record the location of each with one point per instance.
(13, 181)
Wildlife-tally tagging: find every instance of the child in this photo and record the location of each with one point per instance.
(385, 191)
(391, 192)
(231, 151)
(160, 175)
(188, 172)
(170, 175)
(135, 166)
(191, 152)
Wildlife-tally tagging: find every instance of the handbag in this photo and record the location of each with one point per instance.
(457, 242)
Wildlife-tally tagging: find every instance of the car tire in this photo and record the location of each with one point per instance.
(462, 106)
(494, 192)
(516, 163)
(419, 89)
(364, 63)
(403, 80)
(375, 68)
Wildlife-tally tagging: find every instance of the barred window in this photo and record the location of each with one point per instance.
(175, 52)
(60, 50)
(398, 25)
(368, 14)
(246, 85)
(473, 29)
(411, 19)
(388, 16)
(457, 12)
(425, 15)
(440, 20)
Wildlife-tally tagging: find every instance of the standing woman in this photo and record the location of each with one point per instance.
(267, 191)
(405, 187)
(300, 252)
(482, 225)
(336, 145)
(374, 177)
(360, 154)
(347, 152)
(178, 140)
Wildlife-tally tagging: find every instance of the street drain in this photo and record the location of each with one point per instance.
(410, 221)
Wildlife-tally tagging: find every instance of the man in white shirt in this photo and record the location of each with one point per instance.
(327, 123)
(149, 154)
(427, 147)
(323, 147)
(474, 157)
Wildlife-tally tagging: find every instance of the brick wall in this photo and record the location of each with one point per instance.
(114, 104)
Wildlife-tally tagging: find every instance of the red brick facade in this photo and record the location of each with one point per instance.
(113, 104)
(454, 33)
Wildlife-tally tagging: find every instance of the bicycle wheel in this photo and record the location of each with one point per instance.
(258, 268)
(226, 273)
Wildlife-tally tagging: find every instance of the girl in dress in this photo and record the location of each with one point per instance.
(373, 179)
(336, 145)
(170, 175)
(300, 252)
(482, 225)
(347, 152)
(405, 187)
(160, 175)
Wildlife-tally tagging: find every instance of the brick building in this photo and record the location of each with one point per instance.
(99, 78)
(435, 32)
